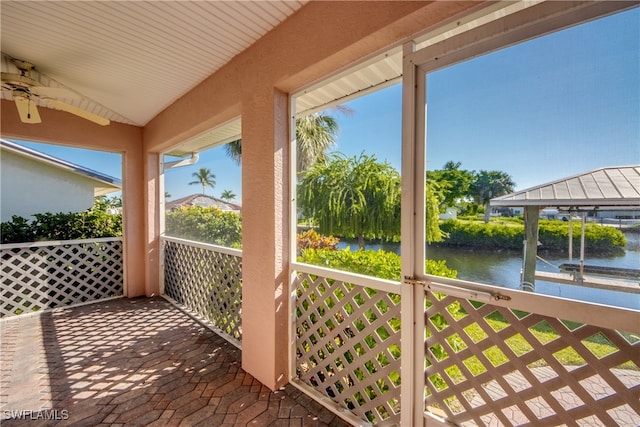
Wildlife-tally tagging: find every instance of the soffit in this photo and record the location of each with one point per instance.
(228, 132)
(130, 60)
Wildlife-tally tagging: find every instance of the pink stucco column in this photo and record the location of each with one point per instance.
(265, 256)
(153, 208)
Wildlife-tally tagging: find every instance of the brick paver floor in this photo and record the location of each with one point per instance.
(135, 362)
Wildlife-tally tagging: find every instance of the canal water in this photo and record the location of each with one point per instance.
(502, 268)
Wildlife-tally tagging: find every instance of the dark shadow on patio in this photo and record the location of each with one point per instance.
(137, 362)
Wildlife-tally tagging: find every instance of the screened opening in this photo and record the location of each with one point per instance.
(534, 113)
(348, 192)
(203, 189)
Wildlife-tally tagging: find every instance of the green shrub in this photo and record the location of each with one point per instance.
(481, 235)
(90, 224)
(206, 225)
(17, 230)
(553, 236)
(599, 239)
(381, 264)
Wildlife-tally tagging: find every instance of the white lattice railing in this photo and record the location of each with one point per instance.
(44, 275)
(347, 341)
(489, 363)
(207, 280)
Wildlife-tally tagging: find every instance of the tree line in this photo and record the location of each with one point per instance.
(359, 196)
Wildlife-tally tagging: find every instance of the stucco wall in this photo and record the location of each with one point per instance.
(29, 187)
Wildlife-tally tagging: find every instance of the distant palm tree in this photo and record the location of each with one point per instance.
(204, 177)
(315, 134)
(228, 195)
(490, 184)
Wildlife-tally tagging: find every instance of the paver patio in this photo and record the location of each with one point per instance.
(135, 362)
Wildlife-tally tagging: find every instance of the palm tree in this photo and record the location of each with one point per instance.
(490, 184)
(204, 177)
(234, 150)
(315, 134)
(228, 195)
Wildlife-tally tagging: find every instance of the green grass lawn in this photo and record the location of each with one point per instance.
(599, 345)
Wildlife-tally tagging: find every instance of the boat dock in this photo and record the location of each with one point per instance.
(589, 282)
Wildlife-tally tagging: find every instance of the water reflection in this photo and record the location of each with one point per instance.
(502, 268)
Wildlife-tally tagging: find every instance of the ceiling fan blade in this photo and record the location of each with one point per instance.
(54, 92)
(59, 105)
(27, 110)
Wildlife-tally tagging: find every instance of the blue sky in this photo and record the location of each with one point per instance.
(546, 109)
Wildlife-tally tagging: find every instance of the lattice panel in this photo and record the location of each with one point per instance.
(42, 277)
(348, 346)
(206, 282)
(488, 365)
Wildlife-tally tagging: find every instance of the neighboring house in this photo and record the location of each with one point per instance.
(204, 201)
(449, 213)
(32, 182)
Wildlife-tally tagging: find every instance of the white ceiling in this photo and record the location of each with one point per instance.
(130, 60)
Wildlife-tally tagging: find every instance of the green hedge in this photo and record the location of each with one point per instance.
(553, 236)
(206, 225)
(381, 264)
(91, 224)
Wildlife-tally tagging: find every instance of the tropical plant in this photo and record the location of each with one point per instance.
(205, 224)
(204, 177)
(452, 182)
(228, 195)
(490, 184)
(315, 134)
(353, 197)
(311, 239)
(233, 150)
(104, 203)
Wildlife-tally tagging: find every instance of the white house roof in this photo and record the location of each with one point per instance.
(608, 186)
(103, 183)
(204, 201)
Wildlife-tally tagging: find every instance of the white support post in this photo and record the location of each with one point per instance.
(570, 237)
(412, 249)
(582, 239)
(293, 230)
